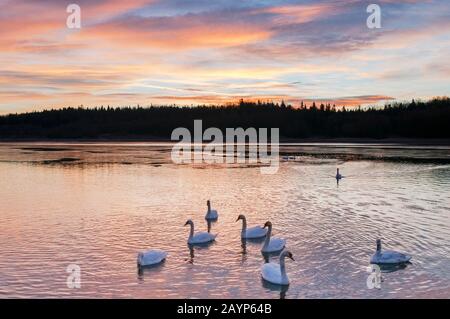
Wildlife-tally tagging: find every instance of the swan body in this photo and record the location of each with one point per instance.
(151, 257)
(211, 214)
(274, 244)
(276, 273)
(252, 232)
(200, 237)
(388, 256)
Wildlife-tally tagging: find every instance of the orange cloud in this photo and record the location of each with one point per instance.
(289, 14)
(180, 33)
(34, 26)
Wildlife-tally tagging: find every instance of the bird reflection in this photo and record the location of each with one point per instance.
(196, 246)
(140, 273)
(191, 254)
(282, 289)
(244, 246)
(244, 250)
(141, 270)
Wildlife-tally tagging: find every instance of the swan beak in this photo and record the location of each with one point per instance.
(292, 258)
(186, 224)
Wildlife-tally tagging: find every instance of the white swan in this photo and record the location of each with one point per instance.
(253, 232)
(151, 257)
(388, 256)
(211, 214)
(274, 244)
(338, 175)
(276, 273)
(199, 238)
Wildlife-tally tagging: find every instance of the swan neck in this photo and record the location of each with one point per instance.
(244, 225)
(283, 267)
(269, 233)
(378, 246)
(191, 233)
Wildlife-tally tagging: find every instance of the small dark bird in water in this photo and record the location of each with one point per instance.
(338, 175)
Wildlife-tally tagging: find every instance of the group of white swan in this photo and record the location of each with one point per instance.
(274, 273)
(155, 256)
(271, 272)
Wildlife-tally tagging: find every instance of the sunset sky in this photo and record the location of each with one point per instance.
(217, 51)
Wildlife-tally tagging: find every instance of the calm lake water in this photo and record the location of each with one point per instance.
(98, 205)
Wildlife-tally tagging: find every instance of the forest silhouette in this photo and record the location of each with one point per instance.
(415, 119)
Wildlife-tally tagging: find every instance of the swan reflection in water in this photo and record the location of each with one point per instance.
(191, 254)
(249, 242)
(192, 249)
(244, 250)
(142, 270)
(282, 289)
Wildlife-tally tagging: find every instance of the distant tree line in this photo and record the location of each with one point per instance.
(415, 119)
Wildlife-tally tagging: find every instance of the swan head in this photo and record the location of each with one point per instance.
(240, 217)
(189, 222)
(288, 254)
(208, 203)
(268, 224)
(378, 245)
